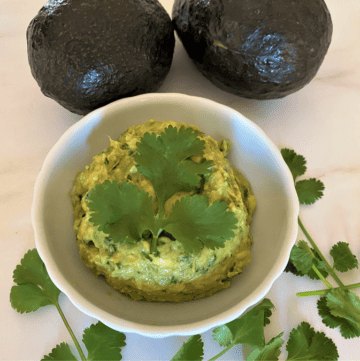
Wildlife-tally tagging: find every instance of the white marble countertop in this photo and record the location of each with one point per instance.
(321, 122)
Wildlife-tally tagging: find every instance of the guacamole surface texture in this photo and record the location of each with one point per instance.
(172, 273)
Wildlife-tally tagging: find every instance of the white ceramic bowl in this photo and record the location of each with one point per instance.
(274, 226)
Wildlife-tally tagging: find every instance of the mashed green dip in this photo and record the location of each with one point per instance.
(172, 273)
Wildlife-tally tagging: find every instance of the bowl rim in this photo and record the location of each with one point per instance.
(155, 331)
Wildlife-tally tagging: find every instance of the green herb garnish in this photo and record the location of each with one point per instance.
(103, 343)
(165, 161)
(338, 307)
(344, 260)
(126, 214)
(295, 162)
(123, 212)
(309, 190)
(191, 350)
(35, 289)
(304, 342)
(60, 352)
(248, 329)
(339, 302)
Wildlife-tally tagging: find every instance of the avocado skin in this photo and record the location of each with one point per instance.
(87, 53)
(259, 49)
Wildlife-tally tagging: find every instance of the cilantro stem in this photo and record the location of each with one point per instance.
(321, 277)
(83, 358)
(325, 291)
(223, 351)
(329, 269)
(154, 241)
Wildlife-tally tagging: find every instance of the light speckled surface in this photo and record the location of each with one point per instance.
(321, 122)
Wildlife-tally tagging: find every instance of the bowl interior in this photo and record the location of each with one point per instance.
(273, 227)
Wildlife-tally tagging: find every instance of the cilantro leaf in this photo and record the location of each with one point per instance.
(267, 314)
(344, 260)
(29, 298)
(60, 352)
(248, 329)
(347, 329)
(197, 168)
(196, 224)
(306, 344)
(345, 306)
(265, 305)
(295, 162)
(103, 343)
(342, 302)
(164, 161)
(123, 212)
(223, 335)
(327, 318)
(191, 350)
(303, 258)
(292, 269)
(34, 287)
(271, 351)
(309, 190)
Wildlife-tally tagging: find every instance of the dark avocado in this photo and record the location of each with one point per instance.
(87, 53)
(260, 49)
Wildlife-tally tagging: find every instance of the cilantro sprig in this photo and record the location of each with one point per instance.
(103, 343)
(34, 289)
(165, 161)
(248, 329)
(338, 307)
(124, 212)
(304, 342)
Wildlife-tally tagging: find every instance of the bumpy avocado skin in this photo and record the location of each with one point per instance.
(259, 49)
(87, 53)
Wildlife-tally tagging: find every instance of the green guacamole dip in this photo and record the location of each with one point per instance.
(172, 274)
